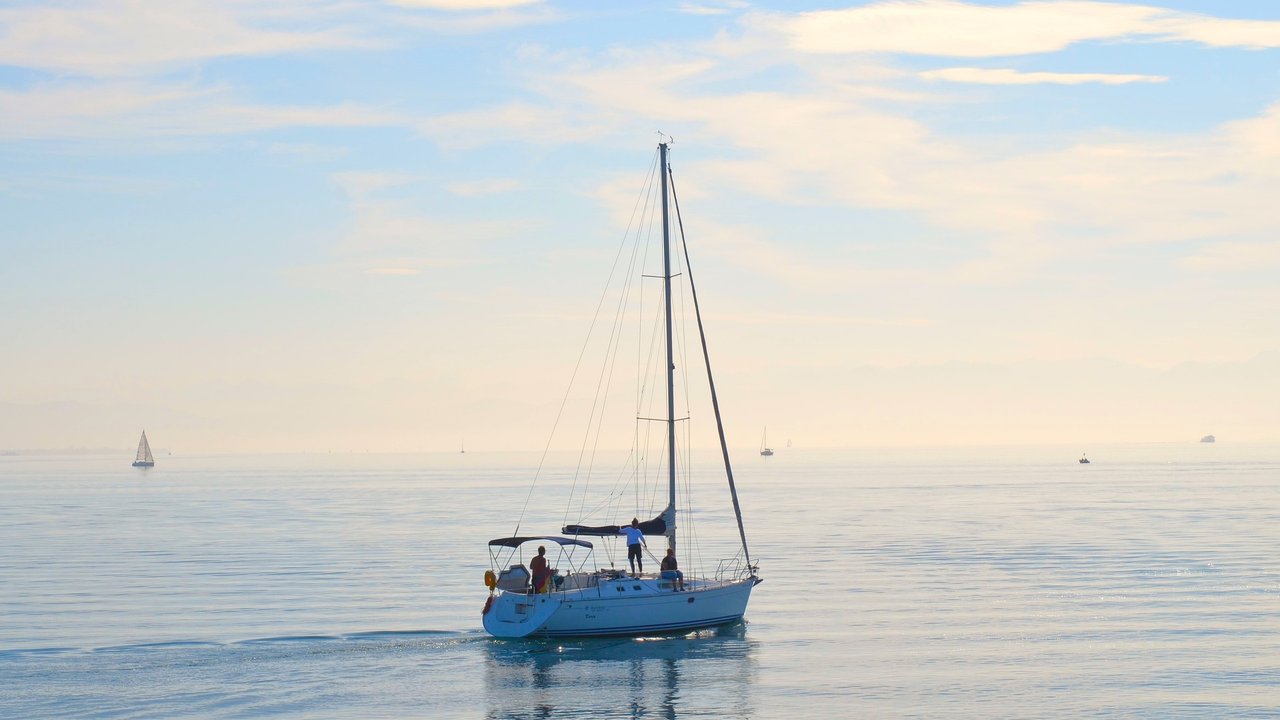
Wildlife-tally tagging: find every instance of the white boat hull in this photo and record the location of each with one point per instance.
(625, 606)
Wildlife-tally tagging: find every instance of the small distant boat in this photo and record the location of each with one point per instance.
(764, 444)
(144, 458)
(1208, 438)
(1083, 460)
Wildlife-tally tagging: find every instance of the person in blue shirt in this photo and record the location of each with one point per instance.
(635, 539)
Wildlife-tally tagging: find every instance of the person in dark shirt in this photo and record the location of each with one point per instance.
(671, 570)
(541, 573)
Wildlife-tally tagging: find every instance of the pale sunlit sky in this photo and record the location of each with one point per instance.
(323, 225)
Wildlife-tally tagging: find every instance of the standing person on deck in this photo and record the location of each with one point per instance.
(635, 539)
(540, 570)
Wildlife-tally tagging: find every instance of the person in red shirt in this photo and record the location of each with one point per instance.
(541, 573)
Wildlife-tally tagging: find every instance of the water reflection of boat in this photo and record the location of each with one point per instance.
(632, 677)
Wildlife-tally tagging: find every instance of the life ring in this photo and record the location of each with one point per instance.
(490, 580)
(487, 604)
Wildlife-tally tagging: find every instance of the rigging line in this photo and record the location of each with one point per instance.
(690, 531)
(612, 360)
(609, 501)
(687, 528)
(641, 201)
(645, 366)
(706, 356)
(685, 372)
(581, 353)
(653, 361)
(605, 381)
(681, 338)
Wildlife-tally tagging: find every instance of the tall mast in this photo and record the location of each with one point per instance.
(671, 385)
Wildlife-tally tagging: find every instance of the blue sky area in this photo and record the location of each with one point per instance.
(315, 225)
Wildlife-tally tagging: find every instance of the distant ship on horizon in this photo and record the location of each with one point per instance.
(1208, 438)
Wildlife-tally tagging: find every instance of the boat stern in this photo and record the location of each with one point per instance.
(518, 615)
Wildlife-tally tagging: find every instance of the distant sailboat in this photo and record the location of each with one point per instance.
(1084, 460)
(764, 444)
(144, 459)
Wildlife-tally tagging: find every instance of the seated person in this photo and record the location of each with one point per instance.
(671, 571)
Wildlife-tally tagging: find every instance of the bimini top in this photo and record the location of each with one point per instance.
(518, 541)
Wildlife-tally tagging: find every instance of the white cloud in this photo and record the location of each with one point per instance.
(134, 109)
(465, 5)
(713, 8)
(549, 124)
(822, 142)
(1218, 32)
(960, 29)
(104, 38)
(1002, 76)
(490, 186)
(308, 151)
(1235, 257)
(472, 17)
(389, 234)
(361, 186)
(791, 320)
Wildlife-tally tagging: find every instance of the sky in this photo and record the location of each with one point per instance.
(331, 226)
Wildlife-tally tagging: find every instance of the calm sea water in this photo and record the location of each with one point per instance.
(992, 582)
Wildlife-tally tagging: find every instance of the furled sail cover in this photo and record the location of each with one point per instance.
(656, 526)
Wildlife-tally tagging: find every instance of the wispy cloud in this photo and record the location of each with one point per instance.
(1235, 257)
(473, 17)
(1017, 210)
(1220, 32)
(961, 29)
(465, 5)
(104, 38)
(389, 234)
(795, 320)
(549, 124)
(1003, 76)
(138, 109)
(490, 186)
(724, 7)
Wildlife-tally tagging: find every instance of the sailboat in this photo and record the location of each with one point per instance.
(144, 458)
(764, 444)
(581, 598)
